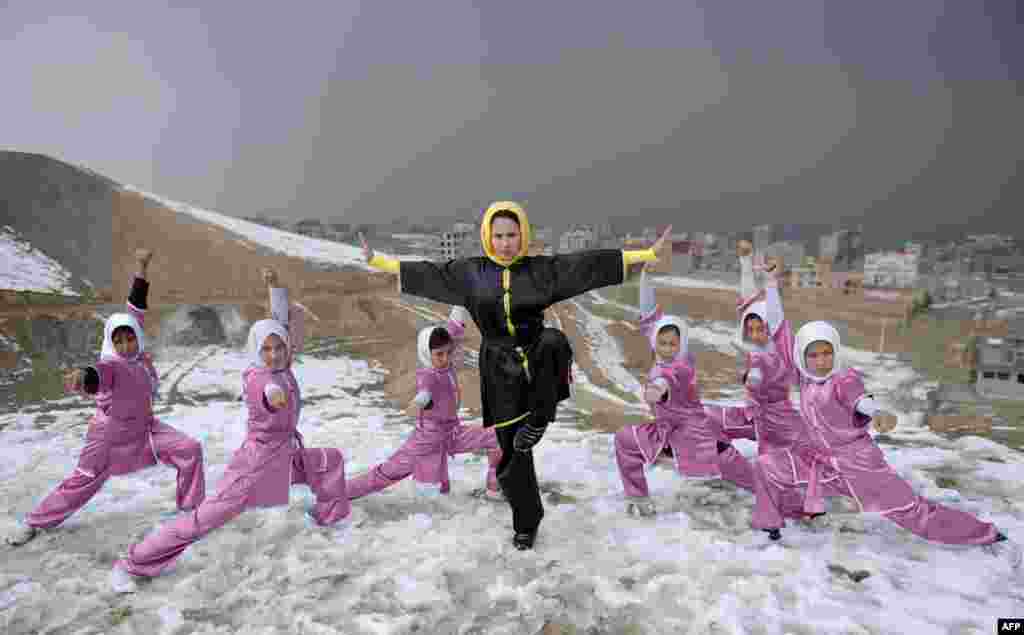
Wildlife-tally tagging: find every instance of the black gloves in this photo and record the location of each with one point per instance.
(528, 436)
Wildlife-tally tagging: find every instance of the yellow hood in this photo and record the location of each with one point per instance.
(524, 231)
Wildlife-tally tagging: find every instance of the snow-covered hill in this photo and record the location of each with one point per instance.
(287, 243)
(23, 267)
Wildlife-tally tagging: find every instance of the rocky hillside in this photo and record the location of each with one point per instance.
(63, 210)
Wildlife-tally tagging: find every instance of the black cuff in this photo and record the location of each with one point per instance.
(139, 292)
(91, 384)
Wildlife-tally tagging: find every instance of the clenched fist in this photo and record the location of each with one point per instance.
(270, 277)
(74, 380)
(277, 397)
(884, 422)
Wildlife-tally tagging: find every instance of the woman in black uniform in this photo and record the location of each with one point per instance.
(524, 367)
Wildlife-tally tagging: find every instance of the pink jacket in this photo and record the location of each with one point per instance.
(272, 437)
(838, 443)
(679, 417)
(443, 385)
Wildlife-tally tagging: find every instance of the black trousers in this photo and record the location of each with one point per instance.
(550, 360)
(518, 480)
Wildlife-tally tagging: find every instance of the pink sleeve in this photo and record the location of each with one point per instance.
(647, 323)
(296, 327)
(137, 313)
(849, 387)
(768, 363)
(425, 380)
(255, 387)
(154, 377)
(458, 332)
(680, 376)
(784, 342)
(108, 375)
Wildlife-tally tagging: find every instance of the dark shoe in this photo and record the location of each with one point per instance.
(774, 534)
(524, 540)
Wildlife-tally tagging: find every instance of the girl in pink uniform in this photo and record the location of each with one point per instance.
(697, 442)
(124, 436)
(438, 433)
(763, 341)
(839, 458)
(271, 459)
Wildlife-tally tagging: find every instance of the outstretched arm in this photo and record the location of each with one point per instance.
(647, 301)
(575, 274)
(772, 299)
(382, 262)
(447, 283)
(656, 390)
(288, 314)
(456, 327)
(137, 297)
(278, 297)
(748, 285)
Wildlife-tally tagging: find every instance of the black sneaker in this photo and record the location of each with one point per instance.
(774, 534)
(524, 540)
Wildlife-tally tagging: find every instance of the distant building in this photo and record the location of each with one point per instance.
(914, 248)
(577, 239)
(845, 249)
(764, 236)
(542, 241)
(1001, 364)
(891, 269)
(801, 277)
(312, 227)
(951, 287)
(791, 253)
(460, 241)
(983, 242)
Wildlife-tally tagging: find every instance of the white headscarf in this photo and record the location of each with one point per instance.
(760, 309)
(114, 322)
(679, 323)
(817, 332)
(258, 334)
(423, 346)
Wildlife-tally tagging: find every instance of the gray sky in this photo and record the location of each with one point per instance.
(714, 114)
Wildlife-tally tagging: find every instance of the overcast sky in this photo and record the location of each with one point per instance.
(714, 114)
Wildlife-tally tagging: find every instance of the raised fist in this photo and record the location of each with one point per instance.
(884, 422)
(269, 277)
(143, 256)
(74, 380)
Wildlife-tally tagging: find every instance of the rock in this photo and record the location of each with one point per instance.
(203, 325)
(856, 576)
(960, 424)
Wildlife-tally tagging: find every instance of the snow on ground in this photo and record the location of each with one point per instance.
(25, 268)
(693, 283)
(414, 563)
(605, 349)
(287, 243)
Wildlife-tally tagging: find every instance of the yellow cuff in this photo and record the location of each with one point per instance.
(379, 261)
(639, 255)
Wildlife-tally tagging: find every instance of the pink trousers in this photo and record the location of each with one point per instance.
(638, 446)
(424, 455)
(162, 547)
(780, 491)
(100, 459)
